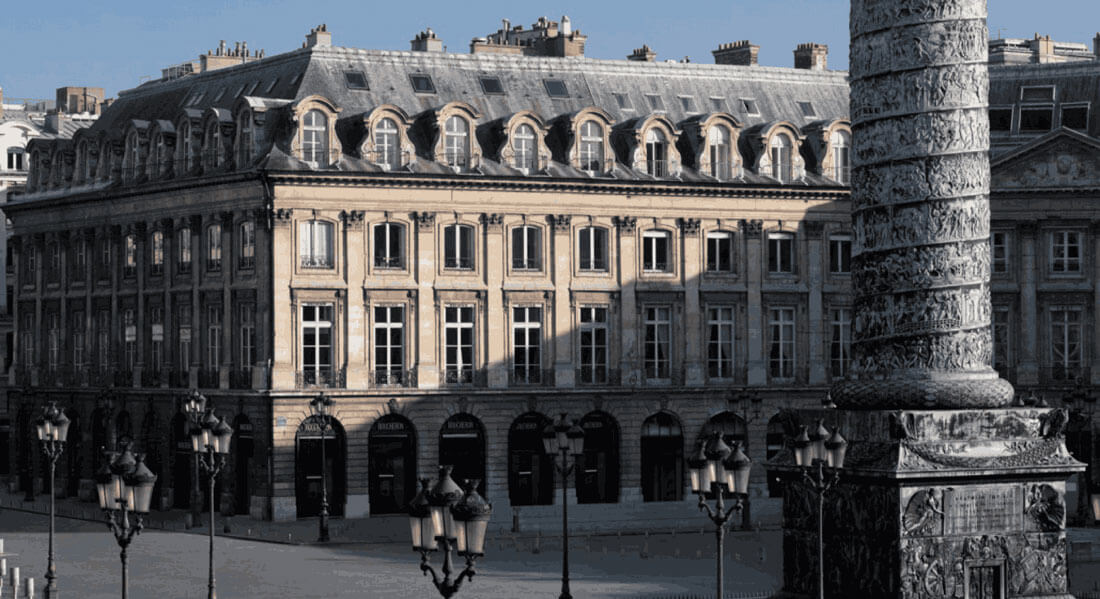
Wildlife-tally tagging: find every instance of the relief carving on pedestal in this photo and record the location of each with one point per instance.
(1046, 509)
(923, 514)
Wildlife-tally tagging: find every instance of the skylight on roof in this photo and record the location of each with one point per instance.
(748, 106)
(807, 109)
(623, 101)
(422, 84)
(556, 88)
(252, 88)
(718, 104)
(491, 85)
(687, 103)
(195, 99)
(221, 92)
(271, 85)
(655, 102)
(355, 80)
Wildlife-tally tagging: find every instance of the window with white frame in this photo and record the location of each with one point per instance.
(526, 248)
(998, 241)
(389, 345)
(387, 151)
(247, 342)
(183, 253)
(129, 265)
(53, 341)
(16, 158)
(1065, 251)
(458, 344)
(77, 335)
(656, 248)
(720, 251)
(781, 350)
(456, 142)
(656, 153)
(780, 253)
(780, 151)
(317, 351)
(720, 323)
(129, 338)
(213, 336)
(27, 335)
(156, 254)
(840, 344)
(389, 245)
(458, 247)
(183, 335)
(592, 246)
(214, 248)
(316, 244)
(247, 239)
(658, 342)
(1066, 356)
(591, 147)
(315, 138)
(721, 161)
(593, 345)
(524, 147)
(1002, 339)
(841, 142)
(840, 254)
(526, 344)
(156, 338)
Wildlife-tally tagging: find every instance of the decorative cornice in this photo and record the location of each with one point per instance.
(689, 226)
(425, 221)
(752, 228)
(626, 224)
(492, 221)
(560, 222)
(353, 219)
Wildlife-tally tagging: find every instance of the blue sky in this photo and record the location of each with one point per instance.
(117, 44)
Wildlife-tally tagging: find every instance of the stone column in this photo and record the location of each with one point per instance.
(752, 230)
(355, 257)
(630, 329)
(563, 309)
(283, 255)
(229, 317)
(427, 366)
(496, 344)
(691, 274)
(815, 280)
(1094, 232)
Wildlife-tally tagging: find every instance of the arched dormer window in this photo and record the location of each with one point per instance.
(210, 151)
(315, 139)
(387, 149)
(456, 143)
(780, 150)
(840, 146)
(523, 145)
(651, 145)
(133, 160)
(245, 143)
(387, 142)
(720, 153)
(162, 153)
(80, 171)
(591, 147)
(656, 153)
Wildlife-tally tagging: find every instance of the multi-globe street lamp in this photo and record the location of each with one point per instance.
(53, 430)
(443, 518)
(195, 409)
(124, 484)
(320, 407)
(716, 470)
(821, 457)
(210, 442)
(561, 440)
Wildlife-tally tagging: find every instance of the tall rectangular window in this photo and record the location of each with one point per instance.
(129, 266)
(781, 350)
(1065, 251)
(592, 246)
(156, 254)
(77, 337)
(1065, 343)
(156, 339)
(656, 247)
(27, 335)
(999, 246)
(389, 345)
(526, 248)
(840, 254)
(248, 336)
(213, 336)
(103, 339)
(593, 345)
(317, 343)
(247, 232)
(214, 248)
(1002, 348)
(840, 345)
(389, 245)
(315, 244)
(526, 345)
(658, 342)
(183, 254)
(458, 247)
(129, 338)
(458, 344)
(80, 259)
(183, 318)
(780, 253)
(720, 251)
(720, 342)
(53, 341)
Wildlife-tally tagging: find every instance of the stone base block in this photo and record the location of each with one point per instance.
(357, 506)
(284, 509)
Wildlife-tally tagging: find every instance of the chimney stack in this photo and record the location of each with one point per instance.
(426, 41)
(1096, 46)
(1, 102)
(742, 53)
(319, 36)
(814, 57)
(643, 54)
(1042, 49)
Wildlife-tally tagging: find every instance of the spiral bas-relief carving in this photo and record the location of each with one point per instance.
(920, 206)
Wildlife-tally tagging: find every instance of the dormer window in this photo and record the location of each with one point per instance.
(133, 157)
(718, 146)
(780, 150)
(210, 147)
(523, 144)
(456, 142)
(315, 139)
(840, 143)
(591, 149)
(187, 147)
(656, 153)
(161, 160)
(386, 148)
(244, 139)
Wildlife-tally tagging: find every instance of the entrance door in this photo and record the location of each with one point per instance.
(462, 445)
(242, 450)
(182, 465)
(392, 465)
(662, 458)
(985, 581)
(308, 468)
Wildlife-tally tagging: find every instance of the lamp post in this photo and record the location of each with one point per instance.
(715, 470)
(321, 409)
(820, 456)
(195, 408)
(124, 484)
(1082, 406)
(53, 429)
(750, 408)
(562, 439)
(444, 518)
(210, 442)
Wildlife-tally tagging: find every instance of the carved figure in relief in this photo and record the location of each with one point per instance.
(923, 515)
(1046, 507)
(1053, 424)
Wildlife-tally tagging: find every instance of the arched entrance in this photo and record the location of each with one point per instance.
(124, 428)
(307, 468)
(242, 455)
(181, 456)
(462, 445)
(530, 470)
(598, 472)
(391, 469)
(733, 429)
(662, 458)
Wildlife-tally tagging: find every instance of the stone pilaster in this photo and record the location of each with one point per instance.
(1028, 369)
(563, 310)
(691, 271)
(427, 366)
(283, 255)
(495, 310)
(817, 253)
(355, 256)
(752, 231)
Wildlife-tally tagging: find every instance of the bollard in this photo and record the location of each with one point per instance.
(15, 582)
(538, 540)
(645, 547)
(29, 587)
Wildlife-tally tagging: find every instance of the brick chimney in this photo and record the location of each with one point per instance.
(426, 41)
(1096, 46)
(319, 36)
(643, 54)
(814, 57)
(1042, 49)
(741, 53)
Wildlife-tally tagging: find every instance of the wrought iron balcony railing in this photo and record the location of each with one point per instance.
(463, 376)
(240, 378)
(209, 378)
(325, 378)
(390, 377)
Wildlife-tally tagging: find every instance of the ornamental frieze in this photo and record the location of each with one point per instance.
(872, 16)
(928, 222)
(920, 135)
(956, 86)
(938, 568)
(955, 351)
(921, 312)
(921, 267)
(918, 180)
(920, 45)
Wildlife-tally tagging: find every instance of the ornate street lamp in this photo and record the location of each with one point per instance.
(195, 407)
(124, 484)
(53, 430)
(442, 518)
(560, 440)
(320, 407)
(821, 457)
(716, 470)
(210, 442)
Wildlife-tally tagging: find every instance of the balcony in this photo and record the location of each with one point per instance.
(394, 262)
(123, 378)
(213, 265)
(531, 377)
(180, 379)
(459, 262)
(320, 378)
(152, 377)
(1064, 375)
(246, 262)
(316, 261)
(393, 378)
(240, 378)
(208, 378)
(451, 376)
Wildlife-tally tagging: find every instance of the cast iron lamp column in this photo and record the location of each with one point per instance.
(715, 470)
(821, 457)
(321, 409)
(124, 484)
(53, 429)
(195, 408)
(443, 518)
(210, 442)
(562, 439)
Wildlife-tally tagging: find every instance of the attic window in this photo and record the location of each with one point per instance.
(1075, 116)
(807, 109)
(297, 78)
(253, 87)
(422, 84)
(492, 86)
(1036, 119)
(1000, 119)
(221, 92)
(1037, 94)
(749, 107)
(195, 99)
(240, 90)
(718, 104)
(555, 88)
(271, 86)
(655, 102)
(623, 101)
(688, 103)
(356, 80)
